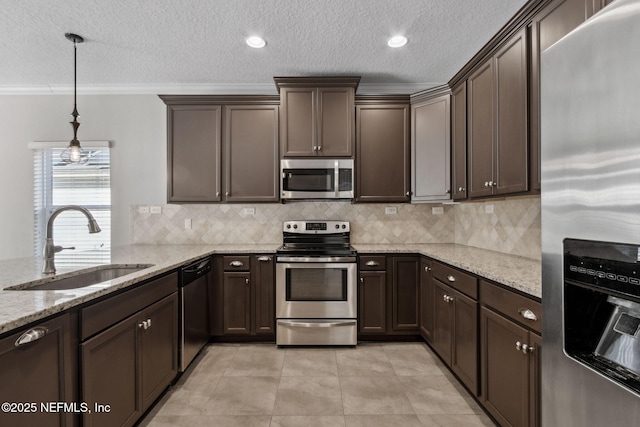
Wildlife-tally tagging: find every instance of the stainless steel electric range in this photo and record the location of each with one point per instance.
(316, 291)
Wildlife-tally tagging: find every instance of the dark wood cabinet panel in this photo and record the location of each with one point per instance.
(511, 151)
(505, 369)
(335, 122)
(426, 299)
(382, 161)
(405, 293)
(44, 370)
(263, 277)
(547, 27)
(194, 144)
(372, 302)
(480, 87)
(298, 121)
(431, 149)
(535, 366)
(464, 355)
(251, 153)
(158, 349)
(237, 303)
(442, 321)
(459, 141)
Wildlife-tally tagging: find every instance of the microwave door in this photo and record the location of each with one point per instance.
(308, 183)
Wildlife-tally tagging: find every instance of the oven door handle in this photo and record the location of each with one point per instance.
(317, 324)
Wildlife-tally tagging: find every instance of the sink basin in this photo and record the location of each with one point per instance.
(83, 278)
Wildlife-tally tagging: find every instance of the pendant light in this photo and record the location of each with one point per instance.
(74, 152)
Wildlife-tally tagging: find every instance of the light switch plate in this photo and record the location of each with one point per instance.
(437, 210)
(488, 209)
(143, 209)
(187, 224)
(249, 211)
(156, 209)
(390, 210)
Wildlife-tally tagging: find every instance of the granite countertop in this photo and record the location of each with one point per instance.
(523, 274)
(18, 308)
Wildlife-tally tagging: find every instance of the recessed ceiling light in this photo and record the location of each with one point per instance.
(256, 42)
(397, 41)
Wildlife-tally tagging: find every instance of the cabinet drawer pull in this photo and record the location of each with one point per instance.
(427, 269)
(264, 258)
(31, 335)
(525, 348)
(142, 325)
(451, 278)
(447, 298)
(372, 263)
(362, 280)
(518, 345)
(528, 314)
(246, 281)
(236, 263)
(148, 323)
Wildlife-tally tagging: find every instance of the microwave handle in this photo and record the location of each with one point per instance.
(336, 178)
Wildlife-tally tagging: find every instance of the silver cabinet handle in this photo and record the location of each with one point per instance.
(149, 323)
(264, 258)
(486, 183)
(528, 314)
(460, 189)
(372, 264)
(447, 298)
(236, 263)
(451, 278)
(31, 335)
(531, 349)
(427, 269)
(518, 345)
(226, 194)
(246, 281)
(217, 194)
(362, 280)
(525, 348)
(408, 193)
(142, 325)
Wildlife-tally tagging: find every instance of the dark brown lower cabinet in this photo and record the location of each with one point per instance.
(455, 332)
(243, 296)
(372, 302)
(38, 372)
(127, 366)
(426, 299)
(405, 292)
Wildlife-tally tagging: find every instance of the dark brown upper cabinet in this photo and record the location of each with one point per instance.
(251, 153)
(497, 145)
(194, 135)
(317, 116)
(459, 141)
(382, 152)
(431, 145)
(198, 142)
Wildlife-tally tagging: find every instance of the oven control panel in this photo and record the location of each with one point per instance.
(316, 227)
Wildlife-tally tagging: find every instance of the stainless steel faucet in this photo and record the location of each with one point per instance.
(49, 248)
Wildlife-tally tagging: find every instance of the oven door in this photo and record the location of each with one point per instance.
(316, 290)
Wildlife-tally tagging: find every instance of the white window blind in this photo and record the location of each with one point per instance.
(57, 184)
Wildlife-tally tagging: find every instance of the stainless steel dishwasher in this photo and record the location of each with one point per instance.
(194, 310)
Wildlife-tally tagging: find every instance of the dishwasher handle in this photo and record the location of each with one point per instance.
(194, 271)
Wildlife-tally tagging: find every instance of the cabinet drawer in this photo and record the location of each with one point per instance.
(465, 283)
(105, 313)
(373, 262)
(512, 305)
(236, 263)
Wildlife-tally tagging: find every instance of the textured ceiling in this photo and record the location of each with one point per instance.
(188, 46)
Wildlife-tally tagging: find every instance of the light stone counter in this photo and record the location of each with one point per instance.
(18, 308)
(523, 274)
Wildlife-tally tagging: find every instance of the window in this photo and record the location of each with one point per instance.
(57, 184)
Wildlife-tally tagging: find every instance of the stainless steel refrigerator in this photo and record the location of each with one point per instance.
(590, 148)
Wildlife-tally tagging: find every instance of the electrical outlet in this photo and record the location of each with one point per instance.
(187, 224)
(249, 211)
(143, 209)
(390, 210)
(156, 209)
(488, 209)
(437, 210)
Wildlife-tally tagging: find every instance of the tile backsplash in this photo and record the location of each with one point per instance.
(513, 226)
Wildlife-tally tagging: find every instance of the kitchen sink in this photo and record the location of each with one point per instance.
(82, 279)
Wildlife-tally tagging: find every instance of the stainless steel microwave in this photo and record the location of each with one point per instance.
(316, 178)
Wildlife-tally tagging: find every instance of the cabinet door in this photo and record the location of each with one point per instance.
(505, 369)
(535, 365)
(548, 26)
(110, 363)
(464, 356)
(298, 121)
(426, 300)
(372, 302)
(511, 146)
(44, 370)
(459, 138)
(383, 153)
(405, 290)
(158, 344)
(335, 122)
(442, 321)
(263, 276)
(237, 303)
(251, 153)
(480, 131)
(430, 149)
(194, 136)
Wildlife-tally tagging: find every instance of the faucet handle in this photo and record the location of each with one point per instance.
(60, 248)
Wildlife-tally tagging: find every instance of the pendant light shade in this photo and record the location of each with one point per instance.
(74, 152)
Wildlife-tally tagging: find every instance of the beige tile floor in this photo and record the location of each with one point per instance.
(386, 384)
